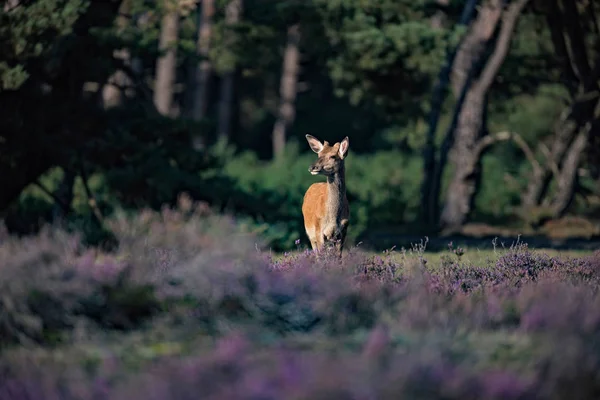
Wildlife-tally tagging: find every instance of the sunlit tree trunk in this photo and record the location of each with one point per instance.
(288, 90)
(233, 13)
(167, 62)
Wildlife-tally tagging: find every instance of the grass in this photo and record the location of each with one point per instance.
(472, 255)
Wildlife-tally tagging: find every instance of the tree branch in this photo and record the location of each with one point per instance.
(577, 49)
(567, 179)
(495, 61)
(553, 166)
(91, 199)
(489, 140)
(555, 25)
(54, 197)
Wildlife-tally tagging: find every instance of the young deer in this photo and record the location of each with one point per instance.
(325, 206)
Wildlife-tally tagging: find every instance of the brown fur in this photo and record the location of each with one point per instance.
(325, 206)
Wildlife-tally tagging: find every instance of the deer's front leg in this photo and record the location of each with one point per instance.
(340, 237)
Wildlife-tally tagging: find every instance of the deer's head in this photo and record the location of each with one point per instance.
(331, 158)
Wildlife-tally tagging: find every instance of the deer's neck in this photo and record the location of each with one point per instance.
(336, 192)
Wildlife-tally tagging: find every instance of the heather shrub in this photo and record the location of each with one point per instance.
(51, 286)
(189, 304)
(40, 288)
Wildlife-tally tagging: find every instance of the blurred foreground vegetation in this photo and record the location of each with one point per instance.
(191, 306)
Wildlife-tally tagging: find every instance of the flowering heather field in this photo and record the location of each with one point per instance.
(190, 307)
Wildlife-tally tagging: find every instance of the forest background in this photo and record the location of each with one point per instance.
(464, 117)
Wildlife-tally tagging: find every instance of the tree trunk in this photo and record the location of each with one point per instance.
(439, 17)
(232, 16)
(429, 212)
(287, 91)
(471, 52)
(581, 80)
(464, 182)
(567, 179)
(64, 195)
(204, 67)
(469, 56)
(540, 179)
(10, 4)
(166, 65)
(112, 91)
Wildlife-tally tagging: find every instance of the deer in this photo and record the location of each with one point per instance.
(325, 205)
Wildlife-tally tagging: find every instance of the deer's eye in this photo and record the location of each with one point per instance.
(332, 157)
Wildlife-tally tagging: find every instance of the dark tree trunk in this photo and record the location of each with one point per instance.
(232, 16)
(287, 90)
(563, 154)
(167, 63)
(204, 68)
(471, 120)
(202, 71)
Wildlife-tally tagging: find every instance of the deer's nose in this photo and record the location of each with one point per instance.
(312, 168)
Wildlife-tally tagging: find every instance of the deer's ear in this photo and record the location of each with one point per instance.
(314, 143)
(344, 146)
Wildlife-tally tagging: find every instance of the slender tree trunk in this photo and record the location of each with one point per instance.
(232, 16)
(287, 91)
(204, 68)
(471, 120)
(166, 65)
(431, 203)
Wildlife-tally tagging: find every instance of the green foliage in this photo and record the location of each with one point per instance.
(384, 51)
(382, 190)
(31, 30)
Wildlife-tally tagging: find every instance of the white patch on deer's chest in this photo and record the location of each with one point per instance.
(331, 222)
